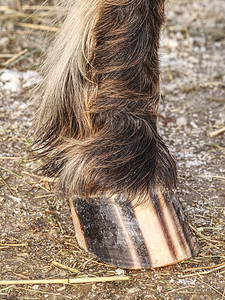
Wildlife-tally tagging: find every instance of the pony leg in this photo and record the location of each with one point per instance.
(97, 129)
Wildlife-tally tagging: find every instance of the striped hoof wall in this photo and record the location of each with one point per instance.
(150, 235)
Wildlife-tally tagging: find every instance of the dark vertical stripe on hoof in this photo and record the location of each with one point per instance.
(190, 239)
(132, 225)
(158, 208)
(181, 235)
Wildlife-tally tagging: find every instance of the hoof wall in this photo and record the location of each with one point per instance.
(152, 234)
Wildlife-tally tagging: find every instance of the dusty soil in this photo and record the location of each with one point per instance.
(36, 226)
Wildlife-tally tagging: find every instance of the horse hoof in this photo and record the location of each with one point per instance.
(153, 234)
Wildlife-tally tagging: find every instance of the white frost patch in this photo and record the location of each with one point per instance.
(187, 281)
(13, 81)
(30, 78)
(8, 75)
(10, 80)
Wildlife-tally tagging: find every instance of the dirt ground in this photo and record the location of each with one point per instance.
(36, 227)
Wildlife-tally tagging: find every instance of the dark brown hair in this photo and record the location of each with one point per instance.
(96, 126)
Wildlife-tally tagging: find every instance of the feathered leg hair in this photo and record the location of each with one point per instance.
(97, 124)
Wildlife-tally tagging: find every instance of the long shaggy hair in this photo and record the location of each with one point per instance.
(96, 126)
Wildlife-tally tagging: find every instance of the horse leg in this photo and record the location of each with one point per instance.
(97, 130)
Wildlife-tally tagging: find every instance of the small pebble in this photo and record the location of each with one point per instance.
(219, 122)
(120, 272)
(132, 290)
(193, 124)
(4, 42)
(35, 287)
(15, 126)
(182, 121)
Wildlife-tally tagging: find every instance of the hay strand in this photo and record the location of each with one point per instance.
(58, 265)
(38, 27)
(9, 61)
(66, 280)
(217, 132)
